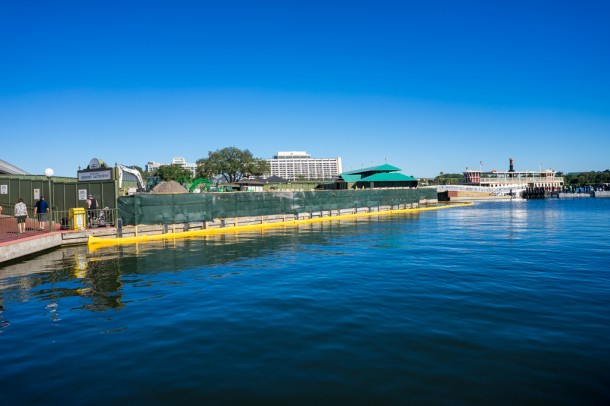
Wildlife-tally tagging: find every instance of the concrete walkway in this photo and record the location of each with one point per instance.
(29, 243)
(15, 245)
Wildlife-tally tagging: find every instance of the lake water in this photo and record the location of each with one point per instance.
(497, 303)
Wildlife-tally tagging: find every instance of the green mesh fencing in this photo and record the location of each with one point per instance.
(183, 208)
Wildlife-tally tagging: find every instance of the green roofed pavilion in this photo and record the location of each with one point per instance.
(382, 176)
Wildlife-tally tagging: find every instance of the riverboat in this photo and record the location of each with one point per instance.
(510, 184)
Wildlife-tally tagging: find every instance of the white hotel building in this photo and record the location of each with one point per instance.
(151, 166)
(293, 165)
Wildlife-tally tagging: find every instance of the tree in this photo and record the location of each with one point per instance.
(448, 178)
(172, 172)
(259, 167)
(586, 178)
(232, 164)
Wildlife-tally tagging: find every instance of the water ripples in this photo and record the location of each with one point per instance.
(503, 302)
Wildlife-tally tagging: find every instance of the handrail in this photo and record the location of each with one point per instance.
(527, 179)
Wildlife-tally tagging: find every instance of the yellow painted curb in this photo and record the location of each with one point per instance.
(96, 241)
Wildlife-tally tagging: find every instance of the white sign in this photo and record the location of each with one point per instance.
(97, 175)
(36, 194)
(3, 189)
(80, 221)
(82, 194)
(95, 164)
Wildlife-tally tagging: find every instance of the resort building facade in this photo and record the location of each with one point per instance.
(180, 161)
(293, 165)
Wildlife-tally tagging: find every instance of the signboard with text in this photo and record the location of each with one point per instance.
(95, 175)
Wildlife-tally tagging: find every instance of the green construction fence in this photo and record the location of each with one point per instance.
(183, 208)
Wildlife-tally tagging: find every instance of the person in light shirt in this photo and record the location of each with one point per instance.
(21, 213)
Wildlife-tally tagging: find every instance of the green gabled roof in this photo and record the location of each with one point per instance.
(380, 168)
(388, 177)
(350, 178)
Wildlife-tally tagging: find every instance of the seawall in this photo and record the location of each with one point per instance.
(182, 215)
(144, 233)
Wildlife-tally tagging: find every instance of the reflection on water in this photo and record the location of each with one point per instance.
(499, 302)
(97, 274)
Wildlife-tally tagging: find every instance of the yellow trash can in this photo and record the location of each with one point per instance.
(78, 221)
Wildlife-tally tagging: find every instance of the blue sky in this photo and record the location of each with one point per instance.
(426, 86)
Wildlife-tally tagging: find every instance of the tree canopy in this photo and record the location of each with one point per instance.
(447, 179)
(586, 178)
(232, 164)
(172, 172)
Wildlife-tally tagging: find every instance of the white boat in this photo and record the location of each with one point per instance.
(511, 184)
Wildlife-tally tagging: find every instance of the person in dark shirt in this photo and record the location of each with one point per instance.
(41, 209)
(91, 209)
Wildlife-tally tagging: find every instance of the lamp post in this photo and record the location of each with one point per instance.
(49, 173)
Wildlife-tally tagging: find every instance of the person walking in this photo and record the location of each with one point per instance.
(41, 209)
(21, 213)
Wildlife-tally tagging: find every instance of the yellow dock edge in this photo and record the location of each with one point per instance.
(96, 241)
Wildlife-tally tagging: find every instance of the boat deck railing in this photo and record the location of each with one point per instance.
(522, 179)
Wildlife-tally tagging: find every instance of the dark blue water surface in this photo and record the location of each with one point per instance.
(497, 303)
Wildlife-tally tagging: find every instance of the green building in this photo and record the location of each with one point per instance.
(382, 176)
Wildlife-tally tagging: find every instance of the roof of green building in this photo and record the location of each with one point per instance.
(380, 168)
(381, 173)
(388, 177)
(350, 178)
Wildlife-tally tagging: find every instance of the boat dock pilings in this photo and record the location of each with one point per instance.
(534, 193)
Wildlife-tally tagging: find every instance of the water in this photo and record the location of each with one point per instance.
(503, 302)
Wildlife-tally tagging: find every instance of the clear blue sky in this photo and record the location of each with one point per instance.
(427, 86)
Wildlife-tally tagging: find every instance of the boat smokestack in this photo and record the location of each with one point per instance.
(510, 167)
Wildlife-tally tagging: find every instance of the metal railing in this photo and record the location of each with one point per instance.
(56, 220)
(68, 220)
(523, 179)
(33, 223)
(102, 217)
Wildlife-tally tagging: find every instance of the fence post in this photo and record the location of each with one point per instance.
(119, 227)
(49, 174)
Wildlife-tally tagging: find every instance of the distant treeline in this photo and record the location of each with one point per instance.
(447, 179)
(591, 178)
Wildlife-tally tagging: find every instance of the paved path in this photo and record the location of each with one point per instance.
(13, 236)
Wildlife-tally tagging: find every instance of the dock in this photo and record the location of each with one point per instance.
(598, 194)
(14, 246)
